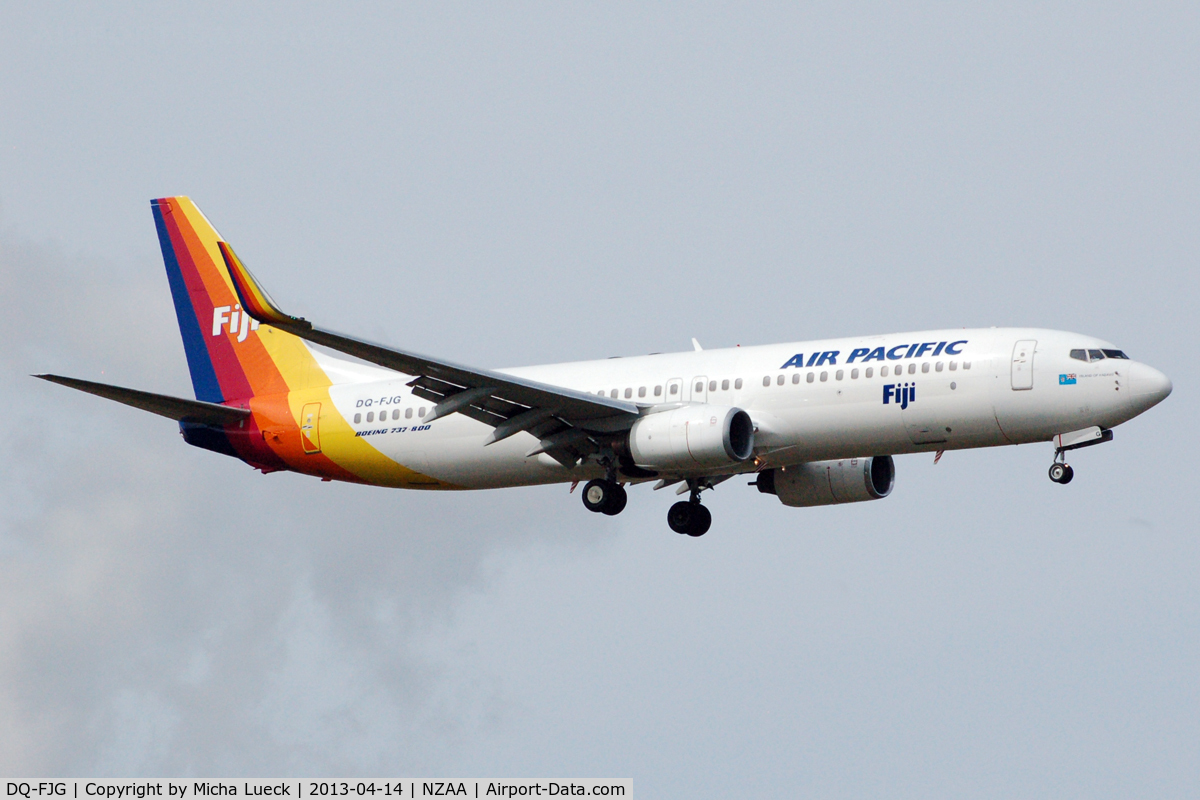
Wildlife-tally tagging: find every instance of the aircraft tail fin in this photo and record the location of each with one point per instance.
(230, 355)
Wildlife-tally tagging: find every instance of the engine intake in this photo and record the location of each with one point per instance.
(691, 437)
(823, 483)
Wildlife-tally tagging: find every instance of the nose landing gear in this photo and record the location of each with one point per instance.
(1061, 472)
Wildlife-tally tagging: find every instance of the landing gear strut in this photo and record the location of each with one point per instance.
(605, 497)
(689, 516)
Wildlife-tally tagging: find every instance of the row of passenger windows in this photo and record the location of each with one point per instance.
(383, 415)
(1097, 355)
(869, 372)
(672, 389)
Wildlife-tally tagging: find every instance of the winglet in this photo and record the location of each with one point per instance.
(255, 300)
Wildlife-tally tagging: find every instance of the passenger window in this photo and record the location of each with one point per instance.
(725, 385)
(883, 371)
(870, 372)
(912, 369)
(357, 418)
(421, 411)
(674, 388)
(811, 377)
(712, 386)
(795, 377)
(838, 375)
(657, 391)
(953, 366)
(1079, 355)
(937, 367)
(370, 416)
(1115, 354)
(613, 394)
(641, 391)
(1095, 355)
(925, 367)
(854, 374)
(395, 413)
(766, 380)
(699, 386)
(408, 413)
(824, 377)
(966, 365)
(737, 384)
(779, 380)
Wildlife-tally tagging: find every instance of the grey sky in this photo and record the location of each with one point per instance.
(536, 183)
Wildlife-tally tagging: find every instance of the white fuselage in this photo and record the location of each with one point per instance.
(809, 401)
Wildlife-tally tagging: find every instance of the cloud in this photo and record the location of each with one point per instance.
(169, 611)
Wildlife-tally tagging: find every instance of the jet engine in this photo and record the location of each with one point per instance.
(823, 483)
(692, 437)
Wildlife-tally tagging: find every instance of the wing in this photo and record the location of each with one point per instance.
(175, 408)
(569, 424)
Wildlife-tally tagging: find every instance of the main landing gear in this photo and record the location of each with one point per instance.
(605, 497)
(689, 516)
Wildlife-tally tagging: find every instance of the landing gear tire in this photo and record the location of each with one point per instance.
(604, 497)
(617, 502)
(1061, 473)
(690, 518)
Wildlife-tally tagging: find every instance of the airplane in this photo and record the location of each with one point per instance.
(813, 423)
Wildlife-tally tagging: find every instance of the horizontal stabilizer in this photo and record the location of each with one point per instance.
(171, 407)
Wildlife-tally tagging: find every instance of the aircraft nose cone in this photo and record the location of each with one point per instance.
(1147, 386)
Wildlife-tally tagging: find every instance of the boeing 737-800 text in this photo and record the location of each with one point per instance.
(815, 423)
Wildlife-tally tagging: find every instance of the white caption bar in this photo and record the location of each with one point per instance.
(375, 790)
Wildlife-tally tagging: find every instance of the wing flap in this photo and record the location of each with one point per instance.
(436, 380)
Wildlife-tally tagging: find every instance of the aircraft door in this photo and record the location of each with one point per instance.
(699, 389)
(1022, 364)
(310, 435)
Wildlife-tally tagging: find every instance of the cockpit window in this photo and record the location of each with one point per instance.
(1097, 355)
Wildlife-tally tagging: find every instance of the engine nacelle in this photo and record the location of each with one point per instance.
(691, 437)
(823, 483)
